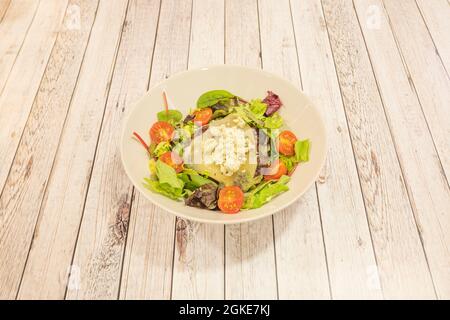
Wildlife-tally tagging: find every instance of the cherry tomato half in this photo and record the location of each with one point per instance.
(203, 116)
(173, 160)
(286, 143)
(231, 199)
(276, 170)
(161, 131)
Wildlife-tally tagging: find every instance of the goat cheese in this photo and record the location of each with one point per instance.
(227, 147)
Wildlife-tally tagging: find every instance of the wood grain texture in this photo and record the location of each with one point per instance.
(65, 194)
(4, 6)
(13, 29)
(401, 261)
(74, 161)
(347, 239)
(101, 245)
(429, 78)
(25, 78)
(298, 234)
(374, 225)
(437, 19)
(427, 184)
(250, 271)
(199, 252)
(147, 271)
(25, 188)
(16, 225)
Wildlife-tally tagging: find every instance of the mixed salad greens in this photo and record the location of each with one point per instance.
(229, 181)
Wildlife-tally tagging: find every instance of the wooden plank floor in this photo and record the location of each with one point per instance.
(375, 225)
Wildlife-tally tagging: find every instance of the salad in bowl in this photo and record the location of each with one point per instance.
(222, 144)
(227, 154)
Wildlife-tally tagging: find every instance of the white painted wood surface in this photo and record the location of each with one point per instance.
(14, 28)
(375, 225)
(17, 220)
(426, 182)
(199, 260)
(429, 76)
(46, 267)
(435, 14)
(148, 264)
(402, 265)
(350, 258)
(250, 271)
(110, 193)
(4, 6)
(289, 227)
(25, 77)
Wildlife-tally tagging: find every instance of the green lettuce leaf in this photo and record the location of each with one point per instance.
(192, 179)
(171, 116)
(259, 187)
(199, 181)
(178, 148)
(188, 184)
(257, 107)
(160, 148)
(220, 113)
(265, 192)
(167, 175)
(253, 114)
(152, 167)
(250, 182)
(167, 183)
(274, 121)
(189, 129)
(213, 97)
(284, 179)
(166, 190)
(302, 150)
(249, 117)
(246, 180)
(289, 162)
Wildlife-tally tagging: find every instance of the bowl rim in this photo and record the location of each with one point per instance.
(223, 66)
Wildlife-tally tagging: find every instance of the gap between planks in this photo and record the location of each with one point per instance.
(94, 157)
(10, 284)
(402, 169)
(17, 41)
(393, 281)
(60, 134)
(160, 213)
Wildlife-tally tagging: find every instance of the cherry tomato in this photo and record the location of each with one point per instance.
(276, 170)
(231, 199)
(203, 116)
(173, 160)
(286, 143)
(161, 131)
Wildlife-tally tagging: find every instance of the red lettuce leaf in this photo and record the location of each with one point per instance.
(273, 103)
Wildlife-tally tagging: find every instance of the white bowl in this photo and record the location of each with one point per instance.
(183, 89)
